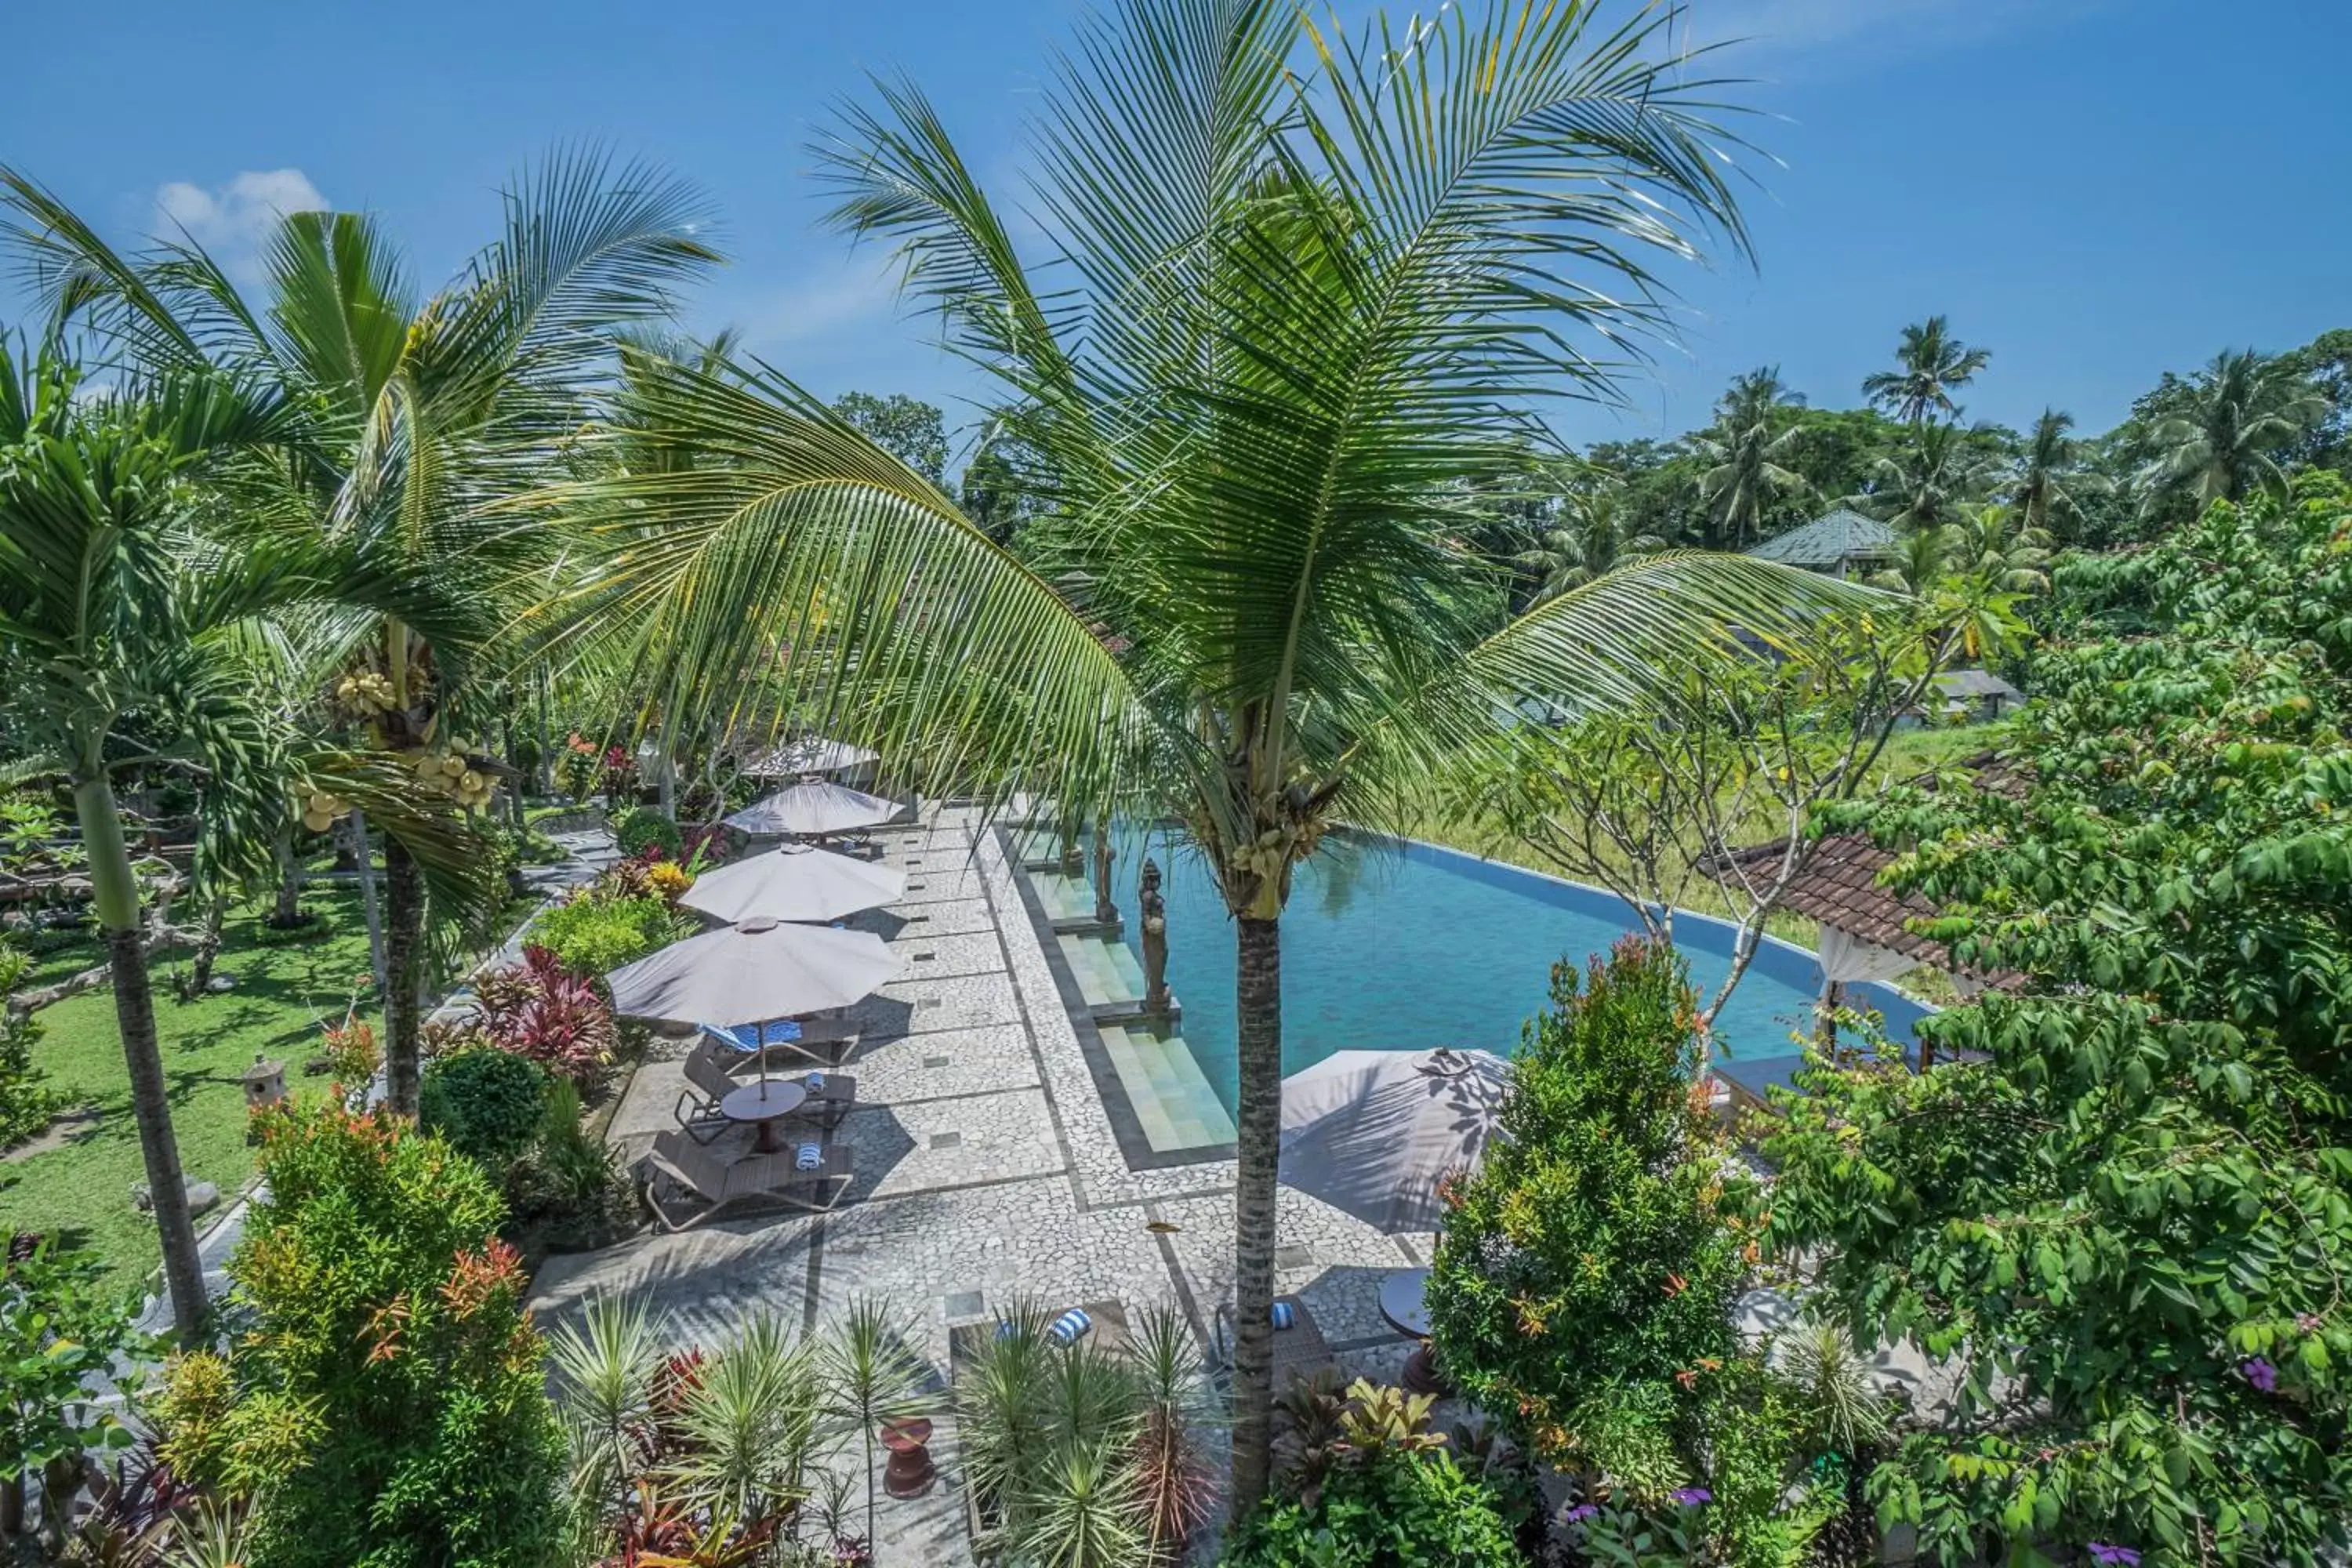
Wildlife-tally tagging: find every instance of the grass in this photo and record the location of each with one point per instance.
(285, 994)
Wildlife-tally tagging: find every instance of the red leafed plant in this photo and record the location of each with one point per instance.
(540, 1009)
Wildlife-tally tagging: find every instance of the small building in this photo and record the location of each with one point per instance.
(1972, 695)
(1841, 544)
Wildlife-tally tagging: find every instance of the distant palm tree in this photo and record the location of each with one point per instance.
(2050, 480)
(1997, 545)
(2219, 444)
(1931, 366)
(1928, 480)
(1588, 538)
(1744, 451)
(1920, 560)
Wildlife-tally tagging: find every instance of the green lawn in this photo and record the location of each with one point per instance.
(284, 995)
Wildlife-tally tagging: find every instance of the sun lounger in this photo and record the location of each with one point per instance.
(807, 1042)
(686, 1184)
(707, 1083)
(1105, 1330)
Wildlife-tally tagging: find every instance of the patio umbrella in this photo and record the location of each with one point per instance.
(809, 754)
(814, 806)
(1373, 1133)
(753, 972)
(796, 882)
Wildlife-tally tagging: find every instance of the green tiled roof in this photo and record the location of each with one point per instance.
(1843, 535)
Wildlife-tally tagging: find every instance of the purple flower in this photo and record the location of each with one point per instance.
(2261, 1374)
(2109, 1555)
(1582, 1510)
(1690, 1497)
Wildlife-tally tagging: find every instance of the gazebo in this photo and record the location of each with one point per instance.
(1843, 544)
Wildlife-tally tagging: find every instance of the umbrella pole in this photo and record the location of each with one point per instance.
(763, 1052)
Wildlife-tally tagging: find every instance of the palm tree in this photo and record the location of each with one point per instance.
(1587, 539)
(1931, 364)
(1997, 545)
(1921, 561)
(1307, 289)
(1745, 450)
(2050, 480)
(2218, 443)
(1930, 479)
(430, 410)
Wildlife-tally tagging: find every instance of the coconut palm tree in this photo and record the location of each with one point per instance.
(1588, 538)
(429, 408)
(2218, 443)
(1306, 287)
(1921, 559)
(1745, 452)
(1931, 364)
(126, 610)
(1930, 479)
(1998, 545)
(2051, 481)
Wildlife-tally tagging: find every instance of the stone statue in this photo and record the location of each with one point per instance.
(1153, 909)
(1105, 908)
(1073, 862)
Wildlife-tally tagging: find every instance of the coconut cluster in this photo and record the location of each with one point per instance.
(320, 809)
(454, 776)
(364, 694)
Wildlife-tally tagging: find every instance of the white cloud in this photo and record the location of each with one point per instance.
(232, 220)
(860, 290)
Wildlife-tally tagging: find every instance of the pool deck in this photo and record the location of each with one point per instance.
(986, 1168)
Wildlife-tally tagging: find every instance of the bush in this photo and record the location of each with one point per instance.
(542, 1010)
(594, 935)
(25, 1102)
(487, 1103)
(642, 828)
(391, 1409)
(1586, 1273)
(1400, 1509)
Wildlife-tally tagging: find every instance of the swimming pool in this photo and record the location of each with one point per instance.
(1406, 946)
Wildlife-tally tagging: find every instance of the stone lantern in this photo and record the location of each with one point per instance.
(264, 1083)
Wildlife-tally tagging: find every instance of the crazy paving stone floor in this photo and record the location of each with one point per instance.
(986, 1171)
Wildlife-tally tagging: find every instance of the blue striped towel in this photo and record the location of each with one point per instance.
(1070, 1327)
(809, 1158)
(1284, 1315)
(746, 1037)
(816, 1083)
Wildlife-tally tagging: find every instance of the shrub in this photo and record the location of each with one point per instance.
(1586, 1273)
(594, 935)
(487, 1103)
(642, 828)
(57, 1332)
(390, 1410)
(707, 844)
(578, 767)
(25, 1102)
(1396, 1499)
(542, 1009)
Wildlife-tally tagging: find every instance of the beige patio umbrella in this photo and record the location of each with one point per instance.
(1375, 1132)
(797, 882)
(809, 754)
(754, 972)
(814, 806)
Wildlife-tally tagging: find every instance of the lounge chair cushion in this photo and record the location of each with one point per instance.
(810, 1157)
(1070, 1327)
(1284, 1315)
(747, 1037)
(816, 1083)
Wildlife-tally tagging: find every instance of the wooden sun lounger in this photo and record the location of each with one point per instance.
(698, 1175)
(823, 1043)
(1110, 1334)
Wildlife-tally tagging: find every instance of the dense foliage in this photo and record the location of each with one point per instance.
(390, 1411)
(642, 828)
(26, 1102)
(549, 1009)
(60, 1334)
(1586, 1274)
(593, 935)
(487, 1103)
(2126, 1210)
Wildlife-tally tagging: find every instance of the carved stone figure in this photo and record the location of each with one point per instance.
(1105, 907)
(1153, 910)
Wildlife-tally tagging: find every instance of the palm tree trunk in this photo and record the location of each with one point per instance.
(116, 889)
(288, 911)
(365, 859)
(1257, 1006)
(404, 979)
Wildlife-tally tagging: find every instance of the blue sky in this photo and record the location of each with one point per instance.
(2097, 190)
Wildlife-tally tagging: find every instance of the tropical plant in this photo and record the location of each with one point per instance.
(487, 1103)
(1390, 1507)
(26, 1102)
(391, 1407)
(422, 411)
(1919, 561)
(1586, 539)
(2052, 481)
(870, 1376)
(640, 828)
(2119, 1215)
(1312, 287)
(548, 1009)
(2220, 439)
(60, 1335)
(590, 936)
(1174, 1488)
(1931, 477)
(1585, 1275)
(1994, 544)
(1931, 365)
(1746, 452)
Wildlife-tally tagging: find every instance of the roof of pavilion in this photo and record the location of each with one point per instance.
(1840, 535)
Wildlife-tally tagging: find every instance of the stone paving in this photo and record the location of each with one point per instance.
(986, 1171)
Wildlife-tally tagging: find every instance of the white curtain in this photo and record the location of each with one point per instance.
(1847, 959)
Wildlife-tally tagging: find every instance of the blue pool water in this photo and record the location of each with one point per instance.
(1406, 946)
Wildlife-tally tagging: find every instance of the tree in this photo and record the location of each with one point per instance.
(2123, 1215)
(2051, 481)
(1931, 365)
(1933, 476)
(1292, 335)
(1746, 452)
(1588, 538)
(906, 427)
(1996, 545)
(428, 412)
(2221, 438)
